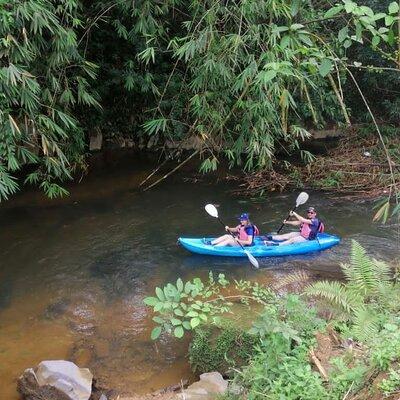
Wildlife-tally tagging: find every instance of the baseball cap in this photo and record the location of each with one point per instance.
(244, 216)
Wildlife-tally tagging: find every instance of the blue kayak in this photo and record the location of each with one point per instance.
(259, 249)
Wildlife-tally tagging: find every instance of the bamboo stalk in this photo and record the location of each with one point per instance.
(341, 102)
(171, 172)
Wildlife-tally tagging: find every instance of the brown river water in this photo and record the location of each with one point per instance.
(74, 272)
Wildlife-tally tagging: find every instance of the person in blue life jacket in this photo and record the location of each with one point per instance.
(309, 228)
(244, 234)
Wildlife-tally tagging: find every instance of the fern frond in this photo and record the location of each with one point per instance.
(297, 277)
(336, 293)
(383, 271)
(365, 323)
(364, 274)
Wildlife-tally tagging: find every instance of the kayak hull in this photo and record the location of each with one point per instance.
(198, 246)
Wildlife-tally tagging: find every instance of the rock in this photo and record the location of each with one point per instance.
(96, 141)
(210, 385)
(216, 379)
(55, 380)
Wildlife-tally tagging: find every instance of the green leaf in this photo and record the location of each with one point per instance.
(305, 39)
(280, 29)
(389, 20)
(155, 333)
(158, 320)
(178, 332)
(188, 287)
(192, 314)
(159, 306)
(326, 67)
(295, 7)
(178, 312)
(160, 294)
(333, 11)
(179, 285)
(296, 27)
(347, 43)
(194, 322)
(393, 7)
(285, 41)
(349, 6)
(175, 321)
(150, 301)
(367, 11)
(375, 41)
(203, 317)
(343, 34)
(267, 76)
(186, 325)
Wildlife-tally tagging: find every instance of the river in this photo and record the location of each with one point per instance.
(74, 272)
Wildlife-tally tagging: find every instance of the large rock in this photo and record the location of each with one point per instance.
(210, 385)
(55, 380)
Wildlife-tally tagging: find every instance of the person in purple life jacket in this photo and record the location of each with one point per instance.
(309, 228)
(244, 234)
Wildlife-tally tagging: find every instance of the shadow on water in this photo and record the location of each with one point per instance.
(75, 272)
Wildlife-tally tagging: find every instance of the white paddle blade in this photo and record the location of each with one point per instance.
(211, 210)
(253, 261)
(301, 199)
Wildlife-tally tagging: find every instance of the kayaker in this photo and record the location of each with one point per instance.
(309, 227)
(244, 234)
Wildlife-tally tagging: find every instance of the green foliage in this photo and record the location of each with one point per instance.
(279, 372)
(346, 375)
(183, 306)
(385, 347)
(391, 384)
(291, 318)
(281, 367)
(366, 299)
(220, 348)
(43, 77)
(278, 345)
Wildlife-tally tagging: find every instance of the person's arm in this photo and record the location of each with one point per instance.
(301, 219)
(232, 230)
(294, 223)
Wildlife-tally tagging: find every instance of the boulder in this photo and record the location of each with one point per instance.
(55, 380)
(210, 385)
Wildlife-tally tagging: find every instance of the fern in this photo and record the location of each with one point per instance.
(336, 293)
(369, 288)
(366, 323)
(296, 278)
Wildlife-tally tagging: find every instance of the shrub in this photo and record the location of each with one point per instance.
(219, 348)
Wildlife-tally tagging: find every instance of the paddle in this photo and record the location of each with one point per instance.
(211, 210)
(301, 199)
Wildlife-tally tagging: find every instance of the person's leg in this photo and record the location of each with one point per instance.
(285, 236)
(296, 239)
(229, 241)
(220, 239)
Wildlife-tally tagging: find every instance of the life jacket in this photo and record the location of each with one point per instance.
(243, 234)
(310, 232)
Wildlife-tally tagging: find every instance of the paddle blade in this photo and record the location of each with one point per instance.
(301, 199)
(253, 261)
(211, 210)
